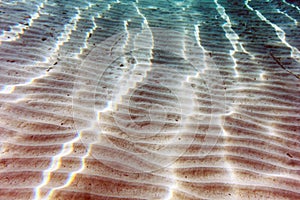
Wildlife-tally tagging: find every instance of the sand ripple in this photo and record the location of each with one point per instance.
(139, 100)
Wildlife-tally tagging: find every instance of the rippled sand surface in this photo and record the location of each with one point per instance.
(149, 99)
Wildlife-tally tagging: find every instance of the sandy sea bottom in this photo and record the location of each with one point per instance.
(149, 99)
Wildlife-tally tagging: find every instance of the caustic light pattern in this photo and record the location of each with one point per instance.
(167, 99)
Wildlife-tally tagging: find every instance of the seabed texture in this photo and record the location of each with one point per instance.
(162, 99)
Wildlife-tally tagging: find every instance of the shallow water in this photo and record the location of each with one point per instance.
(149, 99)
